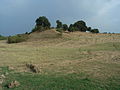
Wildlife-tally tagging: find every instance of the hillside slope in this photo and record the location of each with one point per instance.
(90, 61)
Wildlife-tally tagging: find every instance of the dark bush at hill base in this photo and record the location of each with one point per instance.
(17, 38)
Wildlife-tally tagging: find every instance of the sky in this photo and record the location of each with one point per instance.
(18, 16)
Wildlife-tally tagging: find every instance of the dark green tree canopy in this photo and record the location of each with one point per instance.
(43, 22)
(72, 28)
(59, 24)
(81, 26)
(65, 27)
(89, 29)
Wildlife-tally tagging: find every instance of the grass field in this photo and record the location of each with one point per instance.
(75, 61)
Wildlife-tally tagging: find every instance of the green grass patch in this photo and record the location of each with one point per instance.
(31, 81)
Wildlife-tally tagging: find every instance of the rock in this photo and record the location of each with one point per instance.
(13, 84)
(10, 68)
(116, 58)
(33, 68)
(2, 76)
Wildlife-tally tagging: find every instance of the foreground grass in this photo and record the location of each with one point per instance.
(73, 81)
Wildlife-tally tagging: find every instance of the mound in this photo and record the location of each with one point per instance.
(44, 35)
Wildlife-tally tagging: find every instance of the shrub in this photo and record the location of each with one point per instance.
(72, 28)
(60, 30)
(38, 28)
(94, 31)
(43, 22)
(2, 37)
(81, 26)
(65, 27)
(59, 24)
(17, 38)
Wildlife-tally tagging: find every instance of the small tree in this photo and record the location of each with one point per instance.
(59, 24)
(94, 31)
(89, 29)
(43, 22)
(65, 27)
(81, 26)
(72, 28)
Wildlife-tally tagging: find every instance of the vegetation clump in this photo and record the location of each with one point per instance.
(94, 31)
(80, 26)
(3, 37)
(17, 38)
(42, 23)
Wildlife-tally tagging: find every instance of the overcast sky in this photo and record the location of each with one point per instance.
(18, 16)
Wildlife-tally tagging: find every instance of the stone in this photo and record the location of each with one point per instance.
(11, 68)
(2, 76)
(34, 68)
(13, 84)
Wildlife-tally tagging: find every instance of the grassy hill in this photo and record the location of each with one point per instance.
(75, 61)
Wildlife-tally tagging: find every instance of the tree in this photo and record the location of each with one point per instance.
(59, 24)
(89, 29)
(81, 26)
(65, 27)
(94, 31)
(43, 22)
(72, 28)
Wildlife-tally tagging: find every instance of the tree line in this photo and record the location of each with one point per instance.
(42, 23)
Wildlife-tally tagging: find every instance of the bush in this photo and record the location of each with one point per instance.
(38, 28)
(60, 30)
(81, 26)
(43, 22)
(65, 27)
(72, 28)
(59, 24)
(94, 31)
(2, 37)
(17, 38)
